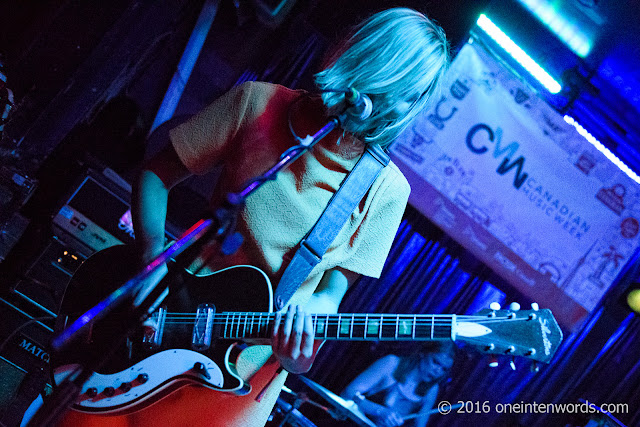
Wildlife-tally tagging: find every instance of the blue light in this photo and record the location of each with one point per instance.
(518, 54)
(604, 150)
(574, 38)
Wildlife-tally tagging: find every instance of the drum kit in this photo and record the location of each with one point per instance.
(286, 412)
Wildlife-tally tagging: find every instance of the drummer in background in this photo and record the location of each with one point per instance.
(395, 388)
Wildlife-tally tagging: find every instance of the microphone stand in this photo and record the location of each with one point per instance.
(184, 251)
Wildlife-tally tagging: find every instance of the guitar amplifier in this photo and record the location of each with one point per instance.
(24, 360)
(95, 216)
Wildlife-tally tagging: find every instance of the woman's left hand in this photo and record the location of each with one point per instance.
(293, 340)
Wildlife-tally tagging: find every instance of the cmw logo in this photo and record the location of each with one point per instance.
(510, 150)
(438, 118)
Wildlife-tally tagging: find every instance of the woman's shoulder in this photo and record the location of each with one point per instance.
(389, 361)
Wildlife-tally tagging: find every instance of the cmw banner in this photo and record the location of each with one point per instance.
(503, 173)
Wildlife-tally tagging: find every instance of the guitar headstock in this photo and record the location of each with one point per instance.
(533, 334)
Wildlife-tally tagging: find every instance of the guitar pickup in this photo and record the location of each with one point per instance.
(203, 327)
(153, 328)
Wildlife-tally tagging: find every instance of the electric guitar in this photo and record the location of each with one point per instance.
(196, 338)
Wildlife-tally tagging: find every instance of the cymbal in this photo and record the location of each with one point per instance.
(292, 415)
(346, 408)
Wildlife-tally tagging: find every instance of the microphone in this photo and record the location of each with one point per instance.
(360, 106)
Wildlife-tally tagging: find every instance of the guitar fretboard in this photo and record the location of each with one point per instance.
(344, 326)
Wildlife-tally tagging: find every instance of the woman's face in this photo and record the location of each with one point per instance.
(434, 366)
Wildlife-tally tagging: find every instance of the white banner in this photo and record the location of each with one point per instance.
(503, 173)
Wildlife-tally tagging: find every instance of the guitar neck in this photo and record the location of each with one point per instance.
(364, 327)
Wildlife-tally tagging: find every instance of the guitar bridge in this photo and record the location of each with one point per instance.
(153, 329)
(202, 327)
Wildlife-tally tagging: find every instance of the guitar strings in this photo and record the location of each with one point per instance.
(336, 320)
(344, 318)
(263, 323)
(347, 318)
(237, 329)
(259, 325)
(343, 321)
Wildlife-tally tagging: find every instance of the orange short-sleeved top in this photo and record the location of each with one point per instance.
(247, 130)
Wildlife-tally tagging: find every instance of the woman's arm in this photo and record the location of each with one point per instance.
(370, 379)
(149, 210)
(150, 197)
(428, 402)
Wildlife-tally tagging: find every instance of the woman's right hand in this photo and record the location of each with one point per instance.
(388, 418)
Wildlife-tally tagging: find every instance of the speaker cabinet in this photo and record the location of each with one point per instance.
(24, 360)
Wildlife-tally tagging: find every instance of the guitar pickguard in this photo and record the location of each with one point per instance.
(174, 363)
(151, 378)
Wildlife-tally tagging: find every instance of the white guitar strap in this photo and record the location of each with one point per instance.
(315, 244)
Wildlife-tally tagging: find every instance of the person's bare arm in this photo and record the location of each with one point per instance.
(427, 403)
(149, 211)
(149, 200)
(370, 379)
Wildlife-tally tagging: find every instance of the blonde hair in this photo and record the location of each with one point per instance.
(398, 58)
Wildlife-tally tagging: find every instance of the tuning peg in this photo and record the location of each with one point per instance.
(535, 306)
(514, 306)
(494, 306)
(493, 362)
(535, 367)
(512, 364)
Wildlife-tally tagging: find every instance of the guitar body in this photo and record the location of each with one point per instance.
(138, 374)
